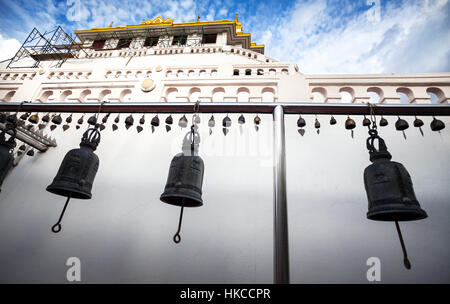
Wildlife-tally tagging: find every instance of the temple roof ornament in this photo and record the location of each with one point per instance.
(158, 20)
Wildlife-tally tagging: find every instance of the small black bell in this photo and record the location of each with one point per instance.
(92, 120)
(401, 125)
(226, 122)
(383, 122)
(105, 118)
(257, 120)
(350, 124)
(129, 121)
(185, 179)
(436, 124)
(182, 123)
(211, 122)
(139, 129)
(80, 120)
(30, 152)
(317, 126)
(46, 118)
(69, 119)
(169, 120)
(366, 121)
(77, 172)
(34, 119)
(117, 119)
(241, 119)
(155, 121)
(142, 120)
(24, 116)
(389, 189)
(57, 120)
(418, 123)
(332, 121)
(6, 151)
(301, 122)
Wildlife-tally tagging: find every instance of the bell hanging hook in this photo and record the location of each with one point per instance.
(57, 227)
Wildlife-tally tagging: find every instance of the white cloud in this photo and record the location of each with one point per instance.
(414, 37)
(8, 48)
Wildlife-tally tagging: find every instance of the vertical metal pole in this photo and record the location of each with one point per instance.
(280, 220)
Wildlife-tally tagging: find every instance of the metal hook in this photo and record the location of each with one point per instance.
(177, 237)
(406, 261)
(57, 227)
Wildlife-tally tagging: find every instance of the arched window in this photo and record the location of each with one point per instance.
(268, 95)
(347, 94)
(171, 94)
(45, 95)
(103, 96)
(194, 94)
(438, 95)
(83, 95)
(9, 95)
(376, 95)
(64, 95)
(218, 94)
(243, 94)
(125, 95)
(406, 95)
(319, 94)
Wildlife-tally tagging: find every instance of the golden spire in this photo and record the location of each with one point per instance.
(236, 18)
(110, 25)
(198, 18)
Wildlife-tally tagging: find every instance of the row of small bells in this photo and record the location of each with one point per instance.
(400, 125)
(388, 185)
(129, 121)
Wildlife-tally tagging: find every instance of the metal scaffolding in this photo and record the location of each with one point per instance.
(55, 45)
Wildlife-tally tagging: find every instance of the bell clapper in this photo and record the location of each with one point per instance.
(177, 237)
(406, 261)
(57, 227)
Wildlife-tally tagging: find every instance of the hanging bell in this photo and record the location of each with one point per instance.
(401, 124)
(418, 123)
(182, 123)
(197, 119)
(184, 182)
(114, 127)
(46, 118)
(142, 120)
(22, 147)
(383, 122)
(92, 120)
(317, 126)
(105, 118)
(139, 129)
(436, 124)
(332, 121)
(30, 152)
(41, 126)
(77, 172)
(80, 120)
(117, 119)
(257, 120)
(390, 191)
(65, 127)
(57, 120)
(69, 119)
(155, 121)
(53, 127)
(226, 122)
(6, 151)
(24, 116)
(129, 121)
(350, 123)
(169, 120)
(211, 122)
(241, 119)
(389, 188)
(34, 119)
(301, 122)
(366, 121)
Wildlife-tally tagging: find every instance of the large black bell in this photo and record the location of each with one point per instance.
(184, 183)
(6, 151)
(389, 188)
(77, 172)
(78, 169)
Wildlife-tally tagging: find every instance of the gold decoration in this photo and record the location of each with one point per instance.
(158, 20)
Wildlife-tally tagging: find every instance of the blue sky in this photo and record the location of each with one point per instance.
(321, 36)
